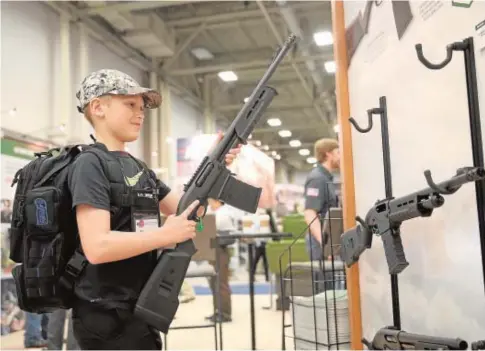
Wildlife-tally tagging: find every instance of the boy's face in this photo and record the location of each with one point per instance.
(124, 116)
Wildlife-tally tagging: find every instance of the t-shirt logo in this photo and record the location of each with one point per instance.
(131, 181)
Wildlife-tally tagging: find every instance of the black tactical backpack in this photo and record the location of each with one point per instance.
(44, 236)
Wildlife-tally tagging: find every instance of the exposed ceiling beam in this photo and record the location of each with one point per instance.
(291, 127)
(272, 107)
(229, 24)
(288, 147)
(132, 6)
(236, 15)
(244, 65)
(109, 39)
(180, 49)
(298, 72)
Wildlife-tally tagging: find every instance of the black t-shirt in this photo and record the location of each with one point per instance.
(116, 282)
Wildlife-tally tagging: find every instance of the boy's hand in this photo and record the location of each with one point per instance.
(182, 228)
(232, 154)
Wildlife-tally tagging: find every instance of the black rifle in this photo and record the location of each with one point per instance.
(158, 300)
(386, 216)
(393, 339)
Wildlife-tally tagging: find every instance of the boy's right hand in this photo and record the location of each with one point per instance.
(182, 228)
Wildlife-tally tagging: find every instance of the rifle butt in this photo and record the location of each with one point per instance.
(158, 301)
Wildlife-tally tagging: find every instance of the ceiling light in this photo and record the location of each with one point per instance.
(246, 99)
(227, 76)
(265, 147)
(278, 157)
(304, 152)
(274, 153)
(336, 128)
(284, 133)
(323, 38)
(330, 66)
(295, 143)
(311, 160)
(256, 142)
(274, 122)
(202, 54)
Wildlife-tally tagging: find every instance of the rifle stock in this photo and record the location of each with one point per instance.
(158, 300)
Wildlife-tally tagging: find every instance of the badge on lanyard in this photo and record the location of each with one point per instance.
(145, 222)
(145, 215)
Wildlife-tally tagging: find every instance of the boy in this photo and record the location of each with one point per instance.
(119, 251)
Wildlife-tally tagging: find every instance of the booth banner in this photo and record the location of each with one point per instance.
(429, 129)
(251, 166)
(289, 199)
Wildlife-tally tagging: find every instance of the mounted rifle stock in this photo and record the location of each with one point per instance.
(158, 300)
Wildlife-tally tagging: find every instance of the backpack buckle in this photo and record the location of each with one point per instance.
(76, 264)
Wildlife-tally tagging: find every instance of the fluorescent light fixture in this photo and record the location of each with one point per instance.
(284, 133)
(227, 76)
(323, 38)
(274, 122)
(202, 54)
(330, 66)
(336, 128)
(311, 160)
(304, 152)
(295, 143)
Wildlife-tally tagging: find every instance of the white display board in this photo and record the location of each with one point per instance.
(442, 290)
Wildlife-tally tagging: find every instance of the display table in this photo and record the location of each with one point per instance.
(248, 239)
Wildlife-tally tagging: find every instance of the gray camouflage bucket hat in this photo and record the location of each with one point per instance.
(110, 81)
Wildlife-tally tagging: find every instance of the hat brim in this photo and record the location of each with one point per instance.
(151, 98)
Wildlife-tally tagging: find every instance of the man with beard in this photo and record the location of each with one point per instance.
(320, 193)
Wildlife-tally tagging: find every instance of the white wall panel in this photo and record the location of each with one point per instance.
(442, 290)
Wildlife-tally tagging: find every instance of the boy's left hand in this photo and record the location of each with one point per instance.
(232, 154)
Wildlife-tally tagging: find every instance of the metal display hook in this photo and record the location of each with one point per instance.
(468, 48)
(386, 156)
(457, 46)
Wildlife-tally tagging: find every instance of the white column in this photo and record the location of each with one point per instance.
(83, 71)
(65, 96)
(152, 157)
(209, 125)
(167, 144)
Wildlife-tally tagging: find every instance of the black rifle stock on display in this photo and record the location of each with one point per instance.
(386, 216)
(393, 339)
(158, 301)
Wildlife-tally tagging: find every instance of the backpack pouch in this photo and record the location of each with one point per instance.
(37, 279)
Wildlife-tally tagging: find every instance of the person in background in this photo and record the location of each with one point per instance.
(320, 193)
(55, 331)
(35, 330)
(224, 223)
